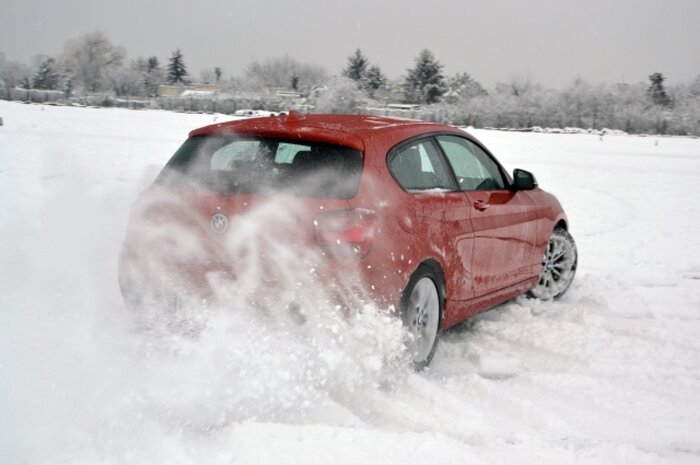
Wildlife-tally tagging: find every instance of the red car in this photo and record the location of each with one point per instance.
(417, 215)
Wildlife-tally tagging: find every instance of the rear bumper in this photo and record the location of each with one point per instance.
(346, 283)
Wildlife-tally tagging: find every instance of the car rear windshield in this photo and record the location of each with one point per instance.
(233, 164)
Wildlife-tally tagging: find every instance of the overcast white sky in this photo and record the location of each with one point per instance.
(552, 41)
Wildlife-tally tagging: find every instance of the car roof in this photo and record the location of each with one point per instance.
(348, 130)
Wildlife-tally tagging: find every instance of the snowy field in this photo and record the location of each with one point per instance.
(608, 375)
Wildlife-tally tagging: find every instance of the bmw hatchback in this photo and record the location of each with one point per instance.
(418, 217)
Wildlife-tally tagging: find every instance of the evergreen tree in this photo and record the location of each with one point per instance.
(152, 64)
(152, 77)
(656, 90)
(373, 80)
(357, 66)
(177, 69)
(425, 82)
(47, 77)
(68, 88)
(368, 78)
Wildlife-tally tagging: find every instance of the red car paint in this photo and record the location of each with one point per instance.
(488, 244)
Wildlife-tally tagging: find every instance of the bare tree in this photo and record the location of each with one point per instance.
(13, 74)
(130, 80)
(518, 102)
(89, 58)
(207, 76)
(465, 87)
(279, 73)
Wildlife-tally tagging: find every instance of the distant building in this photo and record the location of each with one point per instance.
(403, 106)
(288, 94)
(189, 90)
(451, 97)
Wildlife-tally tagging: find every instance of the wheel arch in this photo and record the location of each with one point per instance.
(436, 267)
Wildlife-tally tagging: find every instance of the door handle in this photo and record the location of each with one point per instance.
(481, 205)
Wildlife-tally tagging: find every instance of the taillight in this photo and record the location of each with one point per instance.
(346, 233)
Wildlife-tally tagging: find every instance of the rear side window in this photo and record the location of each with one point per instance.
(419, 166)
(474, 168)
(230, 164)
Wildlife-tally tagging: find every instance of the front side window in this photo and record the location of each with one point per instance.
(474, 168)
(419, 167)
(230, 164)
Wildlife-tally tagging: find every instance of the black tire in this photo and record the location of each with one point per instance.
(558, 266)
(421, 307)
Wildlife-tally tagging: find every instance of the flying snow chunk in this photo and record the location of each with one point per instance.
(498, 367)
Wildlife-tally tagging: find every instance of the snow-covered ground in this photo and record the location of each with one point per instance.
(610, 374)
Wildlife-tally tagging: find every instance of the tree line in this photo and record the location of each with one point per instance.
(92, 64)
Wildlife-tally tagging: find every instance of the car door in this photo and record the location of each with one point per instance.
(439, 210)
(504, 221)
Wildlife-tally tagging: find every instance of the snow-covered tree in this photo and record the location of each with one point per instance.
(127, 81)
(210, 75)
(517, 86)
(518, 103)
(357, 66)
(425, 82)
(373, 80)
(176, 68)
(391, 91)
(89, 58)
(68, 88)
(207, 76)
(368, 78)
(340, 96)
(656, 90)
(278, 73)
(464, 86)
(694, 88)
(47, 77)
(583, 105)
(152, 77)
(12, 73)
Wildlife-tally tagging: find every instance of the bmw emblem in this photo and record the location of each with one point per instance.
(219, 223)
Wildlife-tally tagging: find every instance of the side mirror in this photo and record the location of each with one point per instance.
(523, 180)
